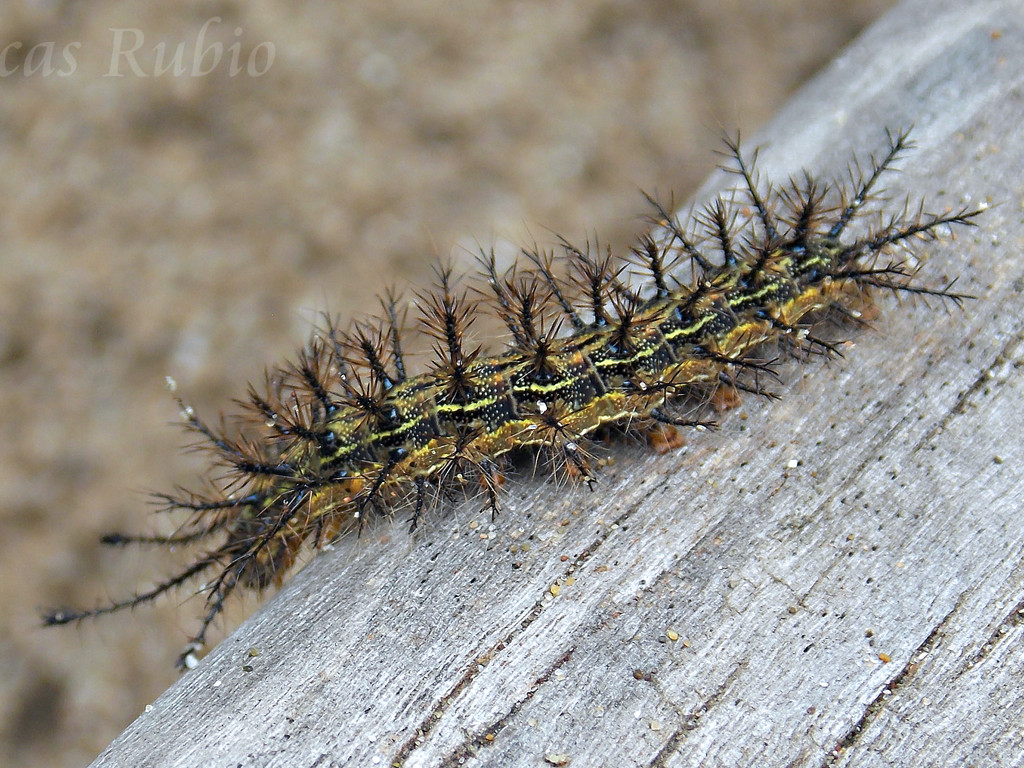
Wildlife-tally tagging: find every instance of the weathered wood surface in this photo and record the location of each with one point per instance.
(872, 513)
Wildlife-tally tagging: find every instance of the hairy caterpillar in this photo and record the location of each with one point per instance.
(346, 431)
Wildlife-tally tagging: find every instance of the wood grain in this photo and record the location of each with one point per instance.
(842, 569)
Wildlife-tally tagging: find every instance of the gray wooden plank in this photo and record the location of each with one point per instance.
(873, 510)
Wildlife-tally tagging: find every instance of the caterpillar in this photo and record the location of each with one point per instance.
(638, 343)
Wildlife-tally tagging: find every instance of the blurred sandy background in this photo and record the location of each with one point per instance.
(192, 226)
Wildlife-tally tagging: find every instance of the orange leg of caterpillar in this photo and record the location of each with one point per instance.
(725, 398)
(664, 438)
